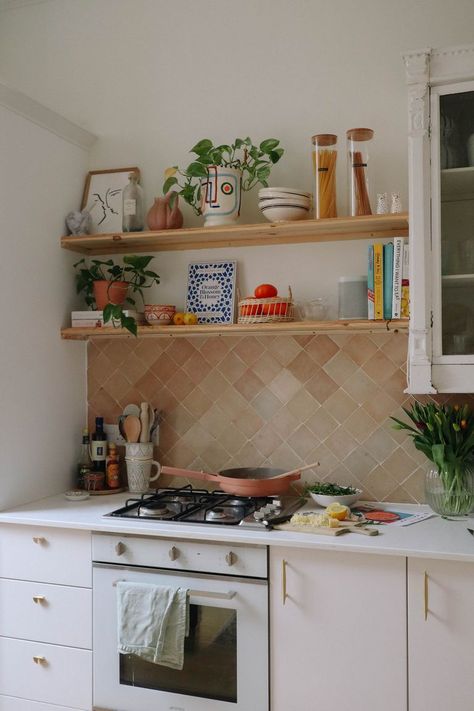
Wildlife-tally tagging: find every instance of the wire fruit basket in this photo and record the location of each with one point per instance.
(271, 310)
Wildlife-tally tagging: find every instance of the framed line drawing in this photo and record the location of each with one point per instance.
(102, 198)
(211, 291)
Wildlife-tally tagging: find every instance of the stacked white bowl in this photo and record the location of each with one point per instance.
(281, 204)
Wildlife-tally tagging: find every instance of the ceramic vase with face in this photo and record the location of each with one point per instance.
(220, 195)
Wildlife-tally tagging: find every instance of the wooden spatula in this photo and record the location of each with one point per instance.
(132, 428)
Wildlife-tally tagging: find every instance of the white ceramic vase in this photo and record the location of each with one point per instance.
(221, 195)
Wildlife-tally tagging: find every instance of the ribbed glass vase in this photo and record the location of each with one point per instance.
(449, 491)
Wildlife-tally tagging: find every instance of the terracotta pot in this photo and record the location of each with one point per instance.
(109, 292)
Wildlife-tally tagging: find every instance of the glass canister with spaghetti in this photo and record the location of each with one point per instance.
(358, 147)
(324, 171)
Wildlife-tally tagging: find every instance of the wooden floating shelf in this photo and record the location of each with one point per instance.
(327, 230)
(238, 329)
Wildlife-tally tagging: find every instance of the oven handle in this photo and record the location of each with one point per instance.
(192, 593)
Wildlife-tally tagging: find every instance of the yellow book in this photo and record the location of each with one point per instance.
(378, 280)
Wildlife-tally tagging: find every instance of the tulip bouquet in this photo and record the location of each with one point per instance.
(445, 434)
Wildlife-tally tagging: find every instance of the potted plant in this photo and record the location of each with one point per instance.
(211, 184)
(445, 434)
(107, 286)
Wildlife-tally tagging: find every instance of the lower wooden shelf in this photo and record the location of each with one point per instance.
(237, 329)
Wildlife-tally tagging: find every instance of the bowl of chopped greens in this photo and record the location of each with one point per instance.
(325, 494)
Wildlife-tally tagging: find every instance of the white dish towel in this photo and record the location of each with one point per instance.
(153, 622)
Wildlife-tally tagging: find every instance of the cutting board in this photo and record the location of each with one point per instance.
(345, 527)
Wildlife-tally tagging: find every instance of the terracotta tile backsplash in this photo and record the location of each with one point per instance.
(270, 400)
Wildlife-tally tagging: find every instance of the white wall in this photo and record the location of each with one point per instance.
(42, 379)
(151, 77)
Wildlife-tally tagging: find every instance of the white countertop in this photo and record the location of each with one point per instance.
(432, 538)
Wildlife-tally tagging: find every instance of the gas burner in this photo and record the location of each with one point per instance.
(158, 510)
(235, 502)
(182, 499)
(217, 513)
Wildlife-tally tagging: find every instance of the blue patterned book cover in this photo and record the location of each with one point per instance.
(211, 291)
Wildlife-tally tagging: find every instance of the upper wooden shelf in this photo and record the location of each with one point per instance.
(237, 329)
(328, 230)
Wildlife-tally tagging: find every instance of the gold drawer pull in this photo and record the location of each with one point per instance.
(40, 540)
(283, 580)
(426, 595)
(39, 599)
(39, 660)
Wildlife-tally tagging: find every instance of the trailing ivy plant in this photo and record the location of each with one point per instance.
(134, 271)
(255, 162)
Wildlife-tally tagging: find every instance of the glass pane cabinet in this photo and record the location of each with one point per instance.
(441, 173)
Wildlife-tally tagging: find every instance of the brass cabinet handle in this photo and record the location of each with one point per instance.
(230, 558)
(120, 548)
(426, 594)
(39, 660)
(39, 599)
(283, 581)
(173, 553)
(40, 540)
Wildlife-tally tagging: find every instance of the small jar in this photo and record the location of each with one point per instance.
(132, 204)
(358, 146)
(324, 172)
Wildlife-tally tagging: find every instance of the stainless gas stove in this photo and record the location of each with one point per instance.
(189, 505)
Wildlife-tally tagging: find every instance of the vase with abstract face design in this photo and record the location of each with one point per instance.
(220, 195)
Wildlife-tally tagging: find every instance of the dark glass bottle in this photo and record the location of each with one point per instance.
(99, 446)
(84, 464)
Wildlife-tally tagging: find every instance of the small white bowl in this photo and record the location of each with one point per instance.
(283, 213)
(346, 500)
(290, 200)
(269, 192)
(76, 495)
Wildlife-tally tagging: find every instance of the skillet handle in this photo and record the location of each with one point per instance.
(190, 474)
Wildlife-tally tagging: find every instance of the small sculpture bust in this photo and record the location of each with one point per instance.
(79, 223)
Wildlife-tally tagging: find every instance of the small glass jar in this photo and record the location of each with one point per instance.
(132, 203)
(324, 172)
(358, 146)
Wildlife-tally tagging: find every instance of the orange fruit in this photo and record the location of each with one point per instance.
(178, 318)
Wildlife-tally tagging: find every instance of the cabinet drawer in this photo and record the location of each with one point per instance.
(64, 677)
(9, 703)
(48, 613)
(51, 555)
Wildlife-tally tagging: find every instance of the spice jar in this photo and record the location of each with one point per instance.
(324, 171)
(358, 145)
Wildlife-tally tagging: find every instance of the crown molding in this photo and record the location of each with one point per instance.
(32, 110)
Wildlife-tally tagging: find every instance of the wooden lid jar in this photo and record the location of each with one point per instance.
(324, 174)
(358, 149)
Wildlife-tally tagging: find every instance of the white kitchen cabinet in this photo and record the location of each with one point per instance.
(441, 634)
(441, 204)
(338, 630)
(45, 619)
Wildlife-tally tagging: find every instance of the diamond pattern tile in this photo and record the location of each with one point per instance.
(277, 401)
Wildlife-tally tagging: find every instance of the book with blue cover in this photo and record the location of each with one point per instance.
(211, 291)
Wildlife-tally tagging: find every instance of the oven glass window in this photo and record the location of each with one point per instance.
(210, 659)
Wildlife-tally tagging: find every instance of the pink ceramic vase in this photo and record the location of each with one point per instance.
(161, 217)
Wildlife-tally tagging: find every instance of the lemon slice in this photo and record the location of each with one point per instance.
(338, 511)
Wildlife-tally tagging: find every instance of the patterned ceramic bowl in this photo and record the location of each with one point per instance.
(159, 314)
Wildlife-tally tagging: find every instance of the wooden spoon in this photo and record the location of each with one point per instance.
(132, 428)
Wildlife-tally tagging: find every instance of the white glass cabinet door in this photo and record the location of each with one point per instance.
(452, 160)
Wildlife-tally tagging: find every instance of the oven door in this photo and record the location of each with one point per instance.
(226, 652)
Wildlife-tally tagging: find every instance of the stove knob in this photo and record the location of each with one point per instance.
(120, 548)
(173, 553)
(230, 558)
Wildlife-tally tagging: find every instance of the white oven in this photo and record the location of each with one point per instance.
(226, 652)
